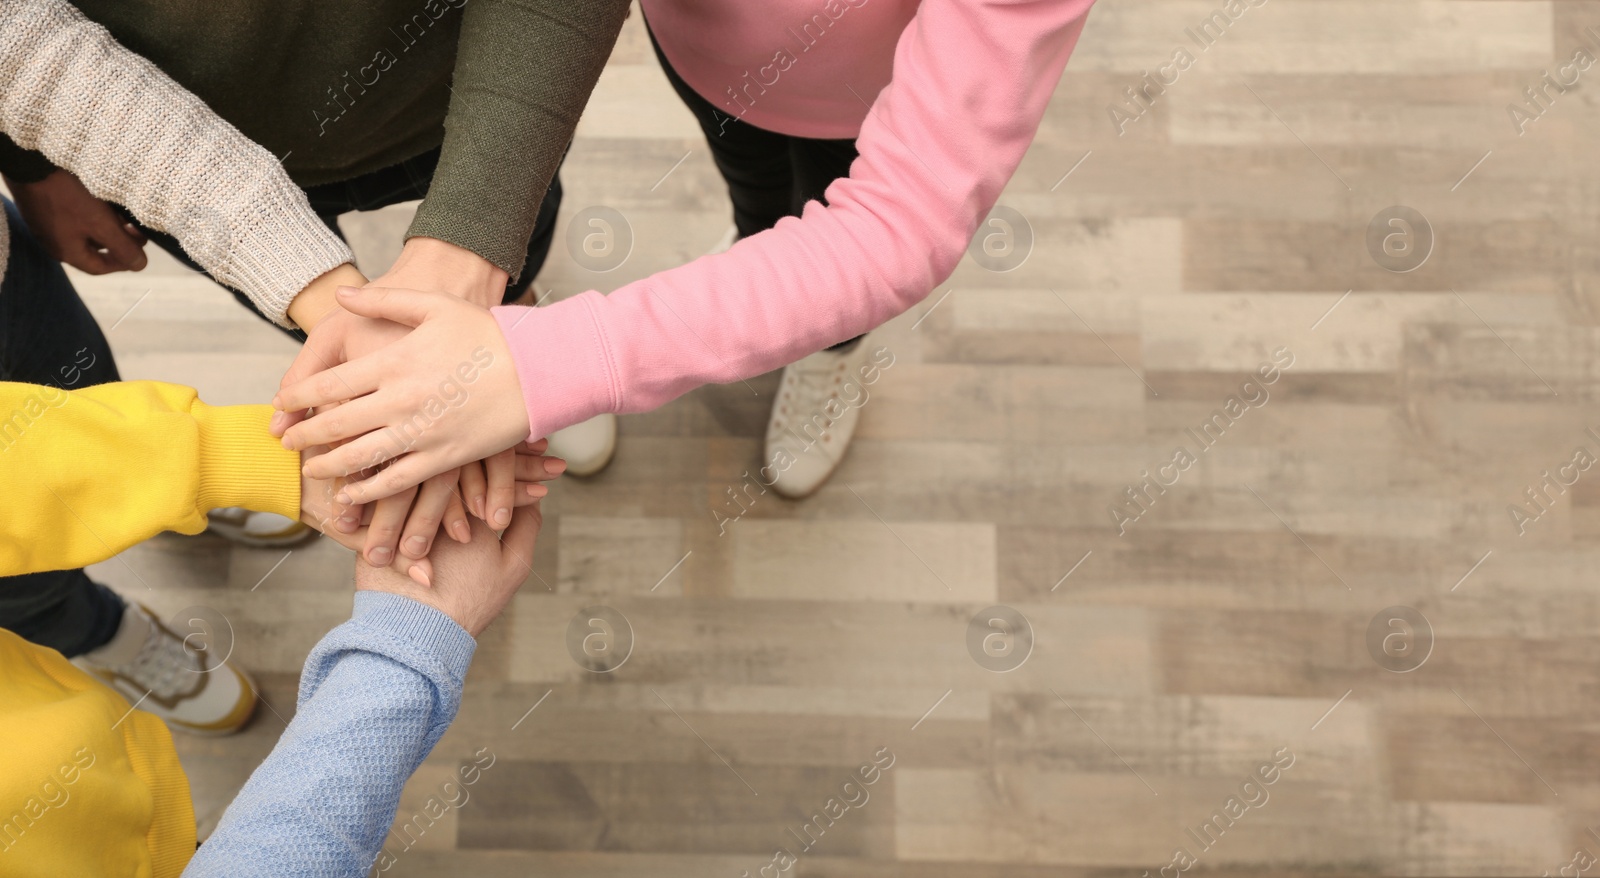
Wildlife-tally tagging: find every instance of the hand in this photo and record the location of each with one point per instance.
(444, 395)
(472, 583)
(374, 530)
(317, 510)
(439, 266)
(77, 228)
(438, 500)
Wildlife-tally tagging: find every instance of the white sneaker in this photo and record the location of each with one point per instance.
(261, 530)
(812, 420)
(157, 671)
(586, 447)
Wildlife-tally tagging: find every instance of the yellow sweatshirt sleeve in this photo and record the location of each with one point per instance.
(87, 473)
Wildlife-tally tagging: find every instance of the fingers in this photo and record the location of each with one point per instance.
(456, 523)
(368, 452)
(423, 524)
(516, 545)
(383, 534)
(84, 254)
(346, 517)
(474, 488)
(324, 349)
(529, 493)
(410, 307)
(537, 468)
(501, 470)
(122, 249)
(404, 474)
(346, 381)
(347, 421)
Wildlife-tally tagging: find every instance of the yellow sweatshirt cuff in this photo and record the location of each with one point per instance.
(241, 464)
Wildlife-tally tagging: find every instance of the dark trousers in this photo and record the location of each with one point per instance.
(769, 175)
(407, 181)
(47, 336)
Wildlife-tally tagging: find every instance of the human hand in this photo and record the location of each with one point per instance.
(374, 531)
(318, 510)
(439, 266)
(472, 583)
(408, 400)
(77, 228)
(438, 500)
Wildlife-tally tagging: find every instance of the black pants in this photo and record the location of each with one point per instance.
(769, 175)
(47, 336)
(407, 181)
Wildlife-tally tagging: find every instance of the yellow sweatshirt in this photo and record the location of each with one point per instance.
(88, 473)
(90, 786)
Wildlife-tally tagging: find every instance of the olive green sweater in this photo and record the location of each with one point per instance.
(339, 89)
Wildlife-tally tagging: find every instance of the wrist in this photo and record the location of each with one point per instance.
(452, 269)
(314, 303)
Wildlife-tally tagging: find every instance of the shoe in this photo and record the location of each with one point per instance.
(261, 530)
(157, 671)
(586, 447)
(812, 423)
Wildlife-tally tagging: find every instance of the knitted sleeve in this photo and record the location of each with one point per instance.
(135, 137)
(376, 695)
(524, 71)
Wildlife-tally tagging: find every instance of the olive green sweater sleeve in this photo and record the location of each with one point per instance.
(524, 71)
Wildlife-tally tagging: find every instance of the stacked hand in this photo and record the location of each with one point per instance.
(474, 581)
(356, 335)
(317, 508)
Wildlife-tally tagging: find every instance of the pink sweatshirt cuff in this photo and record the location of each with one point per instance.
(563, 360)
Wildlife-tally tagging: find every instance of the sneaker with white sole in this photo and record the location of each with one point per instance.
(586, 447)
(157, 671)
(260, 530)
(812, 421)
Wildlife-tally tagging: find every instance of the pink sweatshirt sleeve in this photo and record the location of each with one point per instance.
(971, 82)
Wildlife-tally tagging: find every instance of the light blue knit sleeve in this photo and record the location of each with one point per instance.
(376, 695)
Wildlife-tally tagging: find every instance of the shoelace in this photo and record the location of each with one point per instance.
(163, 665)
(810, 394)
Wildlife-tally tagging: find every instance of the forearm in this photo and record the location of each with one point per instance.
(135, 137)
(376, 694)
(163, 457)
(524, 71)
(889, 234)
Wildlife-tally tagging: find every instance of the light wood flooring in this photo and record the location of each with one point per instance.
(1230, 622)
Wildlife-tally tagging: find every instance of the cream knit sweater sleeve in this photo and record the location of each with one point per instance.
(135, 137)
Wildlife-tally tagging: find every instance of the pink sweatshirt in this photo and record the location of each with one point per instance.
(971, 79)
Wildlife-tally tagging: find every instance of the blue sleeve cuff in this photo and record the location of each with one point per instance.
(424, 629)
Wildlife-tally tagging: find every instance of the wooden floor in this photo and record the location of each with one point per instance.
(1242, 616)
